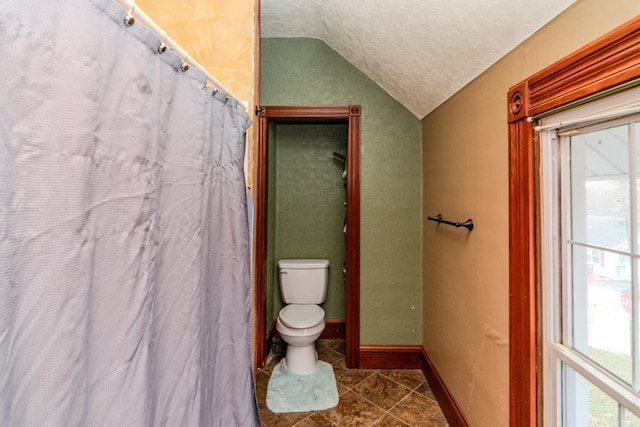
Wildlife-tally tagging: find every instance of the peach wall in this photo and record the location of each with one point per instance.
(465, 170)
(219, 34)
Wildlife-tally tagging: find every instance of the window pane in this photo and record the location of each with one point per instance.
(630, 419)
(636, 128)
(602, 314)
(585, 404)
(601, 279)
(600, 190)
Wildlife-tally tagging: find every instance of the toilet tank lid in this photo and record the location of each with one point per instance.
(303, 263)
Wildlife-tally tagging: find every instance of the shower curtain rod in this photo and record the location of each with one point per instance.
(139, 15)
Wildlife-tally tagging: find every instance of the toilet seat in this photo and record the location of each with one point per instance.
(301, 315)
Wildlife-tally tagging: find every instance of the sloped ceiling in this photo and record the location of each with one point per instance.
(420, 51)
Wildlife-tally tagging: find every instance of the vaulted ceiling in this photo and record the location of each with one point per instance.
(420, 51)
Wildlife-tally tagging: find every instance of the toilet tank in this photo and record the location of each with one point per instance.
(303, 281)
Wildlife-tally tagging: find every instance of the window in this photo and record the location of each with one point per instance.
(593, 257)
(591, 213)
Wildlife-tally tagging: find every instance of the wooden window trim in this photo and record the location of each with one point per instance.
(610, 60)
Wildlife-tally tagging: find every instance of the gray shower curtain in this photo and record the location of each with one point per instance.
(124, 247)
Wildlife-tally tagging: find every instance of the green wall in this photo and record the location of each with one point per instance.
(272, 294)
(308, 72)
(309, 199)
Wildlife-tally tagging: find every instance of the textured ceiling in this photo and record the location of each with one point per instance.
(420, 51)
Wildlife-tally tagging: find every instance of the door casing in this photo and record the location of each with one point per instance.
(349, 114)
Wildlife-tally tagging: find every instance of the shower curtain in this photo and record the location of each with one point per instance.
(124, 247)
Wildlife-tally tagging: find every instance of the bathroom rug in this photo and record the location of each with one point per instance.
(289, 392)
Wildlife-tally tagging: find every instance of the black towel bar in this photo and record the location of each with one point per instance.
(438, 218)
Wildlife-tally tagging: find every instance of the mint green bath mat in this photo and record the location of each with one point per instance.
(289, 392)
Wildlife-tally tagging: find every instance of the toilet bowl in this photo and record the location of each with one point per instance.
(300, 326)
(303, 285)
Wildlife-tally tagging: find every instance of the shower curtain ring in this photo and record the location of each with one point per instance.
(185, 65)
(129, 20)
(163, 47)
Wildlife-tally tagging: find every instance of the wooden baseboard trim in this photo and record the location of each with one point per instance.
(390, 356)
(449, 407)
(334, 330)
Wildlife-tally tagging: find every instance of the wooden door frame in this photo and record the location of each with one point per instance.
(350, 115)
(607, 62)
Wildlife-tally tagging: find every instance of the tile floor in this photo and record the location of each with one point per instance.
(368, 397)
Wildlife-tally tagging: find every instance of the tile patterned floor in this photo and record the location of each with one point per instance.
(368, 397)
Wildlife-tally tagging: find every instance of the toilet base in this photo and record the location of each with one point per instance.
(302, 360)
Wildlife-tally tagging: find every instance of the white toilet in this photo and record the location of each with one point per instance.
(303, 285)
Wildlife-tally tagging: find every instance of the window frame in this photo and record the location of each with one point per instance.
(556, 282)
(609, 61)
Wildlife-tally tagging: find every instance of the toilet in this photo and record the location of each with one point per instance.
(303, 285)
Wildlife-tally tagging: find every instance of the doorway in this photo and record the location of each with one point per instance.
(350, 116)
